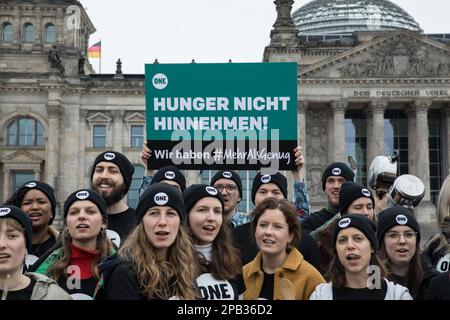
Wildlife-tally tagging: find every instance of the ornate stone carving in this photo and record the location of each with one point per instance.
(317, 140)
(422, 105)
(55, 60)
(302, 106)
(117, 114)
(83, 114)
(53, 110)
(339, 106)
(284, 18)
(399, 57)
(284, 33)
(378, 106)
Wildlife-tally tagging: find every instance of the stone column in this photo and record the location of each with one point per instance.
(338, 108)
(376, 146)
(411, 114)
(422, 152)
(118, 136)
(82, 149)
(53, 154)
(446, 139)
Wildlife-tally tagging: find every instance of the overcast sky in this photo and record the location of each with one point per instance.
(177, 31)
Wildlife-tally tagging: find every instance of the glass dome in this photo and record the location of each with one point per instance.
(322, 17)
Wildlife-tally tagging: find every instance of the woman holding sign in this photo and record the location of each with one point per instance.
(219, 260)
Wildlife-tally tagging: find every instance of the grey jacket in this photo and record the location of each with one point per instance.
(46, 288)
(395, 291)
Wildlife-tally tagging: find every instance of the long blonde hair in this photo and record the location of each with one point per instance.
(174, 277)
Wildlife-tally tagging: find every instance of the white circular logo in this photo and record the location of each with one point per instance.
(161, 198)
(30, 260)
(266, 178)
(344, 223)
(211, 190)
(31, 185)
(160, 81)
(109, 156)
(227, 174)
(169, 175)
(336, 171)
(401, 219)
(82, 195)
(4, 211)
(366, 192)
(114, 237)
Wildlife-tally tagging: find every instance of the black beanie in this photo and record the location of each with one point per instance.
(125, 166)
(350, 191)
(15, 213)
(277, 178)
(228, 174)
(86, 194)
(199, 191)
(170, 173)
(46, 189)
(337, 169)
(396, 216)
(362, 223)
(160, 194)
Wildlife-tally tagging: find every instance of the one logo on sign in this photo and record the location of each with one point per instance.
(4, 211)
(169, 175)
(366, 192)
(114, 237)
(401, 219)
(161, 198)
(227, 174)
(160, 81)
(82, 195)
(109, 156)
(266, 178)
(31, 185)
(336, 171)
(211, 190)
(344, 223)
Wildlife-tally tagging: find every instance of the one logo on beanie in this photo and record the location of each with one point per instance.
(401, 219)
(161, 198)
(366, 192)
(82, 195)
(169, 175)
(344, 223)
(31, 185)
(227, 174)
(109, 156)
(336, 171)
(266, 178)
(4, 211)
(211, 190)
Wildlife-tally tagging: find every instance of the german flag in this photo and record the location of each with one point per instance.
(95, 51)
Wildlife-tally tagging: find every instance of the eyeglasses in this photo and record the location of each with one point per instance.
(395, 236)
(229, 187)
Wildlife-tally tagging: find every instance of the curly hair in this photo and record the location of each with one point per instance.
(162, 279)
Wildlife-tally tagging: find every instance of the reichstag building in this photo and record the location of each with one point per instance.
(369, 81)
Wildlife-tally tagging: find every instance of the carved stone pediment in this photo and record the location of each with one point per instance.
(401, 54)
(99, 117)
(135, 117)
(22, 157)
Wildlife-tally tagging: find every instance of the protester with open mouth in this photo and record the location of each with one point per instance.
(84, 244)
(279, 270)
(356, 272)
(399, 239)
(157, 261)
(37, 200)
(15, 241)
(219, 260)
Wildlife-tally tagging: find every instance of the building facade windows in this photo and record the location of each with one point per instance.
(20, 177)
(28, 33)
(137, 136)
(436, 157)
(356, 142)
(50, 33)
(99, 136)
(25, 132)
(7, 33)
(133, 192)
(396, 137)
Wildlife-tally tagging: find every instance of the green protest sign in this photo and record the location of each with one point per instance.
(216, 116)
